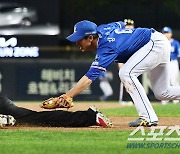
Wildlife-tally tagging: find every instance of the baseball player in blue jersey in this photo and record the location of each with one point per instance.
(174, 66)
(140, 49)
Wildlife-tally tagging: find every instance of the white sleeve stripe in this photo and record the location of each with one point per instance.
(101, 68)
(119, 24)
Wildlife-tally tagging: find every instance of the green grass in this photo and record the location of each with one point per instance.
(169, 110)
(80, 142)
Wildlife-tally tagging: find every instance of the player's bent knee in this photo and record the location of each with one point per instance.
(123, 74)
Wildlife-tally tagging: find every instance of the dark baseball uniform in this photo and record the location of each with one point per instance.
(56, 118)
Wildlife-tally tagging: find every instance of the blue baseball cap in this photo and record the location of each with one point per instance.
(166, 30)
(82, 29)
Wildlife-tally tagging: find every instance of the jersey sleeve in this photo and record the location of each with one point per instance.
(103, 59)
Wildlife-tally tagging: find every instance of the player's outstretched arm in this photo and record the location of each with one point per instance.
(81, 85)
(66, 100)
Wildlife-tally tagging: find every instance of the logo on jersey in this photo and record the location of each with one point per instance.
(96, 60)
(95, 63)
(107, 28)
(111, 39)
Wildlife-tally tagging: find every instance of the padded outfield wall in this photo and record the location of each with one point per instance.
(39, 79)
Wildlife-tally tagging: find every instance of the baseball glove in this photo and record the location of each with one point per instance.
(63, 101)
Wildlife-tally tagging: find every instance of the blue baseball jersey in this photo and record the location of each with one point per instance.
(175, 49)
(116, 43)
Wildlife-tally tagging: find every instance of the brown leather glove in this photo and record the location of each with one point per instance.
(63, 101)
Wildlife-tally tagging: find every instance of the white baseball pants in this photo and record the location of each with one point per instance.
(153, 58)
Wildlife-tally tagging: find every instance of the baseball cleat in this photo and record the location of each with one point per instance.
(142, 122)
(101, 120)
(7, 120)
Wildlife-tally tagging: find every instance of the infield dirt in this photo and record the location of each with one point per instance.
(119, 123)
